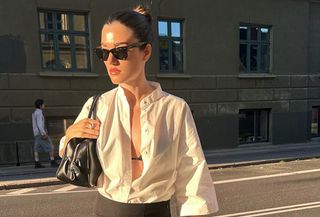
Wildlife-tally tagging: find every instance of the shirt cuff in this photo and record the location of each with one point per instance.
(195, 207)
(61, 144)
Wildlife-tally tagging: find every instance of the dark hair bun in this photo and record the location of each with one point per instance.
(142, 10)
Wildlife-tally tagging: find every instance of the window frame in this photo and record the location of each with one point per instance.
(170, 39)
(69, 32)
(248, 42)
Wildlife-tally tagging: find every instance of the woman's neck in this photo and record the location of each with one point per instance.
(135, 93)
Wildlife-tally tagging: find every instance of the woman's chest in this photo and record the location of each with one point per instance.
(135, 124)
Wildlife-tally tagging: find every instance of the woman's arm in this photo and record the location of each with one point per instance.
(82, 127)
(195, 192)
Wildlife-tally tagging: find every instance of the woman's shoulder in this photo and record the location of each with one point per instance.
(106, 96)
(176, 100)
(109, 93)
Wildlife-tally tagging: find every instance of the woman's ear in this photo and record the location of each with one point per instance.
(147, 52)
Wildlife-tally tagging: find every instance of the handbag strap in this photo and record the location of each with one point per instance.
(92, 112)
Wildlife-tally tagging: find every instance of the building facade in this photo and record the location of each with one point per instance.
(250, 70)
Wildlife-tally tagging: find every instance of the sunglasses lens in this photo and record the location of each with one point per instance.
(102, 54)
(120, 53)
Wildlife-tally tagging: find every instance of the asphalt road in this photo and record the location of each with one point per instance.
(276, 190)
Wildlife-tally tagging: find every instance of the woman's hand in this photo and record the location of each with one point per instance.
(86, 128)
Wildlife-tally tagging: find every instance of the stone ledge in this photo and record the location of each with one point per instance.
(256, 75)
(68, 74)
(173, 75)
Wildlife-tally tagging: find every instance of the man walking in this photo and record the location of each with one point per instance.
(42, 141)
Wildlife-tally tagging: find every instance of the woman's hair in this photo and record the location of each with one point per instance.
(38, 103)
(138, 19)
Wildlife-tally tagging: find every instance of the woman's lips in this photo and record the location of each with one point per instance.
(114, 71)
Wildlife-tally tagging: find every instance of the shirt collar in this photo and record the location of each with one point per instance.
(155, 95)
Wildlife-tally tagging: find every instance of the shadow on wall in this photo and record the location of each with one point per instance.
(12, 54)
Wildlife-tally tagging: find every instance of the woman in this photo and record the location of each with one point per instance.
(147, 142)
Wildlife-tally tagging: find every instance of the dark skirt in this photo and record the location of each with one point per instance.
(105, 207)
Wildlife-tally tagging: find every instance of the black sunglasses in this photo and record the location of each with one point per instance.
(121, 53)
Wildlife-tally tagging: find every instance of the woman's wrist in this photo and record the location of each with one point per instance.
(66, 140)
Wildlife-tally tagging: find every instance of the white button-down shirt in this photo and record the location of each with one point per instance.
(173, 160)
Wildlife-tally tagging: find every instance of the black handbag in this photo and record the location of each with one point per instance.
(80, 164)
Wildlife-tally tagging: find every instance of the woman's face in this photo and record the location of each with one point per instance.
(128, 71)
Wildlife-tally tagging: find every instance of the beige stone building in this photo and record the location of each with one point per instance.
(250, 70)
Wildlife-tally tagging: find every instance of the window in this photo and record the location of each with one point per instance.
(253, 126)
(64, 41)
(254, 50)
(315, 127)
(170, 46)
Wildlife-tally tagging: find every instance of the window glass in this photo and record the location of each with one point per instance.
(175, 29)
(170, 46)
(246, 126)
(79, 23)
(65, 51)
(48, 54)
(254, 33)
(81, 52)
(264, 57)
(177, 55)
(164, 54)
(253, 57)
(62, 21)
(48, 19)
(253, 126)
(264, 34)
(243, 57)
(243, 32)
(42, 20)
(163, 28)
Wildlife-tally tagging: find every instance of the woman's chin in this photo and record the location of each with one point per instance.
(117, 81)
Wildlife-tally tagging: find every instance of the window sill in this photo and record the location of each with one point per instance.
(256, 75)
(67, 74)
(173, 75)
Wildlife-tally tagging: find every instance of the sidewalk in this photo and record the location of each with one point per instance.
(251, 155)
(27, 176)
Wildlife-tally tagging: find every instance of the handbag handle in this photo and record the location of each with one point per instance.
(92, 112)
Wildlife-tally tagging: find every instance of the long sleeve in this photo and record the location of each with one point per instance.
(195, 192)
(39, 118)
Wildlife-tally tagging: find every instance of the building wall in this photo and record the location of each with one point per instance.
(211, 83)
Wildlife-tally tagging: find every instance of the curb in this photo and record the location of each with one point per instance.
(27, 183)
(257, 162)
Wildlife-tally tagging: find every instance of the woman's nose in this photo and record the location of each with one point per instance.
(112, 59)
